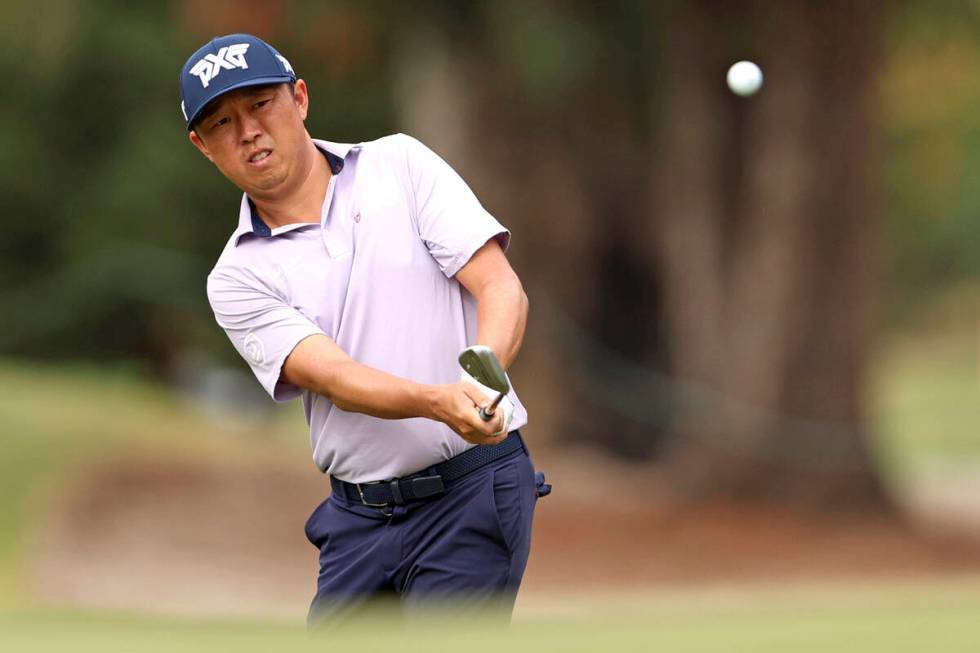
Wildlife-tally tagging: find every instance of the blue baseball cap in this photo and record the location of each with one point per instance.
(226, 63)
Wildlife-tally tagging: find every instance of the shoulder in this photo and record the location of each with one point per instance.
(392, 142)
(231, 255)
(396, 148)
(401, 158)
(227, 271)
(401, 150)
(240, 266)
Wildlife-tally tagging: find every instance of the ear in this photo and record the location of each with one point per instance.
(301, 96)
(199, 144)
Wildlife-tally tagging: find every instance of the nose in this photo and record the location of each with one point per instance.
(248, 128)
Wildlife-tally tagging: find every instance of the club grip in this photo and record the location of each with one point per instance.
(486, 412)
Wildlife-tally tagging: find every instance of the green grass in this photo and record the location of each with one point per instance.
(55, 421)
(893, 618)
(926, 403)
(925, 410)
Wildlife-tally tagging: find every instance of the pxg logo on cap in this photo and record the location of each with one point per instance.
(227, 63)
(230, 57)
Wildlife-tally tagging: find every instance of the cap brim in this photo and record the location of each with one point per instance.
(257, 81)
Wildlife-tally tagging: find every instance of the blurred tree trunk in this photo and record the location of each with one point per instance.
(664, 224)
(768, 271)
(529, 177)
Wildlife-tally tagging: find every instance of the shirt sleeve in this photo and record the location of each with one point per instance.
(262, 327)
(451, 221)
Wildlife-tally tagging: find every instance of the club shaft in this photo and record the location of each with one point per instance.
(487, 412)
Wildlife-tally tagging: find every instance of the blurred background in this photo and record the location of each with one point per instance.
(753, 355)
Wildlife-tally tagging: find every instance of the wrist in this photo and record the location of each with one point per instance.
(427, 400)
(503, 354)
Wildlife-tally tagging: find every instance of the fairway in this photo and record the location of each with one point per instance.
(940, 615)
(917, 613)
(490, 326)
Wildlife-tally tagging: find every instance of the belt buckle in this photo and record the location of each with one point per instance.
(364, 501)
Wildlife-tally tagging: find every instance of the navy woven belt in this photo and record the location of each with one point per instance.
(429, 482)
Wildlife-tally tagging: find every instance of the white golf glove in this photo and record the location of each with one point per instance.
(505, 407)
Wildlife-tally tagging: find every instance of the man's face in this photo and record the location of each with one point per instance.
(256, 137)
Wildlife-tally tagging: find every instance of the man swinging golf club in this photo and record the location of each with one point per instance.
(356, 276)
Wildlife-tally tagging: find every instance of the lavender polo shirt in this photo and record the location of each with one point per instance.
(376, 275)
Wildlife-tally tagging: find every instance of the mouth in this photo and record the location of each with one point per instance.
(259, 156)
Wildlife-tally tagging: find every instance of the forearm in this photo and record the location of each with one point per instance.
(317, 364)
(361, 389)
(502, 317)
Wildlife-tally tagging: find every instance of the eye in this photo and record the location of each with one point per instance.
(217, 123)
(261, 103)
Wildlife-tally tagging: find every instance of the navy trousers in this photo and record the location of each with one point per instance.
(466, 548)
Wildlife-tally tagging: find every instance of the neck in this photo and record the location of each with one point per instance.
(304, 201)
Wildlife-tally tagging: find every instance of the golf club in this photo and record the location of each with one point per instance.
(481, 363)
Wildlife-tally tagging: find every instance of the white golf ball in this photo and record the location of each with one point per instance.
(744, 78)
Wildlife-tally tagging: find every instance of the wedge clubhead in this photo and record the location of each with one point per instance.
(481, 363)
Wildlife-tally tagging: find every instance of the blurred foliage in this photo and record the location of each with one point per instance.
(930, 153)
(111, 219)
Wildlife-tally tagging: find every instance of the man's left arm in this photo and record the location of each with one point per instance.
(468, 244)
(501, 303)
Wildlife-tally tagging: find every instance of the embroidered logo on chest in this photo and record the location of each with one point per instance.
(290, 265)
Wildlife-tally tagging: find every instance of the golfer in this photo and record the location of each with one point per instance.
(355, 276)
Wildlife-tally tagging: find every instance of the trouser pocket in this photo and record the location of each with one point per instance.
(514, 494)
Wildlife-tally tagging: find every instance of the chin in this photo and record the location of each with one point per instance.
(267, 182)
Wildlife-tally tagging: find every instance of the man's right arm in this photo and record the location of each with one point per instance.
(287, 352)
(319, 365)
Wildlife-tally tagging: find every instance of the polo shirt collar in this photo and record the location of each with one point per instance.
(249, 221)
